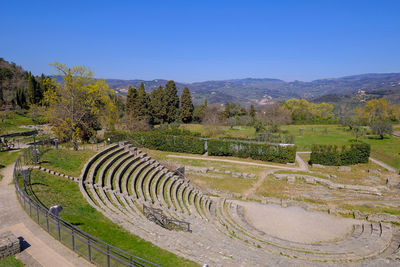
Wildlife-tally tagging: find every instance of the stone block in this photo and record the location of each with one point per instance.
(344, 169)
(9, 244)
(228, 172)
(291, 179)
(378, 172)
(318, 166)
(252, 176)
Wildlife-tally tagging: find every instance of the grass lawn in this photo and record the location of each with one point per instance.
(10, 261)
(66, 161)
(52, 190)
(11, 124)
(386, 150)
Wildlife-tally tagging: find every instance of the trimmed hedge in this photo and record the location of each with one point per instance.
(161, 141)
(265, 152)
(346, 155)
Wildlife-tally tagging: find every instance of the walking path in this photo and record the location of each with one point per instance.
(257, 184)
(302, 164)
(384, 165)
(41, 249)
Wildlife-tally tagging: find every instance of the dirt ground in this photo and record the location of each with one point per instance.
(296, 224)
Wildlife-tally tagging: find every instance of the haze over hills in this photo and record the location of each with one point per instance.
(261, 90)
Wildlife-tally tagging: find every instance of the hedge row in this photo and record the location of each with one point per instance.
(160, 141)
(281, 154)
(334, 156)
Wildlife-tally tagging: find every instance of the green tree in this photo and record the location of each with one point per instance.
(381, 128)
(142, 111)
(79, 105)
(171, 102)
(130, 105)
(157, 104)
(186, 110)
(252, 111)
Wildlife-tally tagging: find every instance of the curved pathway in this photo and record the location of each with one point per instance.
(41, 249)
(209, 158)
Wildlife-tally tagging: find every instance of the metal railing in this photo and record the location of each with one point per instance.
(91, 248)
(159, 218)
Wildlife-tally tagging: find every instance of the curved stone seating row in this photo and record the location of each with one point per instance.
(367, 240)
(127, 178)
(127, 170)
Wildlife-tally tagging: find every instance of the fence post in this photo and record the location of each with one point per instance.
(59, 229)
(30, 208)
(108, 257)
(47, 221)
(37, 211)
(89, 250)
(73, 240)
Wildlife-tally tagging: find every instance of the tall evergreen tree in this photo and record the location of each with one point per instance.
(171, 102)
(142, 103)
(31, 88)
(130, 105)
(21, 98)
(252, 111)
(186, 110)
(157, 104)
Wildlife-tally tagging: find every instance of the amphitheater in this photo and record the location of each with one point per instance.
(147, 199)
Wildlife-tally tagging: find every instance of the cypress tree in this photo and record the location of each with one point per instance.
(157, 104)
(252, 111)
(171, 102)
(21, 97)
(186, 110)
(142, 103)
(131, 101)
(31, 89)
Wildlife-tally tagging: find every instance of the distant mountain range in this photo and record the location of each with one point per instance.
(261, 91)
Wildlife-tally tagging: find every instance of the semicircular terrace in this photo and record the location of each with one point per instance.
(121, 180)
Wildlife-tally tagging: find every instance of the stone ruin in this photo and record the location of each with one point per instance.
(9, 244)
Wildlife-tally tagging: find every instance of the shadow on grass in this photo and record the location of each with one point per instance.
(377, 137)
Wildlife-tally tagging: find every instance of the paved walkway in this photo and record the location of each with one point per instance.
(41, 249)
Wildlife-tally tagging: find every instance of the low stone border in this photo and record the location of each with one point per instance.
(40, 168)
(291, 178)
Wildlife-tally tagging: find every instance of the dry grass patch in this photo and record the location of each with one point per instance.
(222, 182)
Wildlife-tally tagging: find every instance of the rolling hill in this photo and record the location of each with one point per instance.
(260, 91)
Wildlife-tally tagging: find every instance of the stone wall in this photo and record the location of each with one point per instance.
(9, 244)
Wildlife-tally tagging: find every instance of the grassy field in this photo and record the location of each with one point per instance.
(386, 150)
(13, 122)
(10, 261)
(52, 190)
(66, 161)
(7, 158)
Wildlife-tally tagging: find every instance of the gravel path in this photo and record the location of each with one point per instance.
(41, 248)
(384, 165)
(296, 224)
(238, 162)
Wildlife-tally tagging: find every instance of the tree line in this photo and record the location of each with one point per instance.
(161, 106)
(19, 88)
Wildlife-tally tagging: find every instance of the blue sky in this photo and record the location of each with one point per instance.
(204, 40)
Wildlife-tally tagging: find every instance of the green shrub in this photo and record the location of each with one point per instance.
(174, 143)
(265, 152)
(334, 156)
